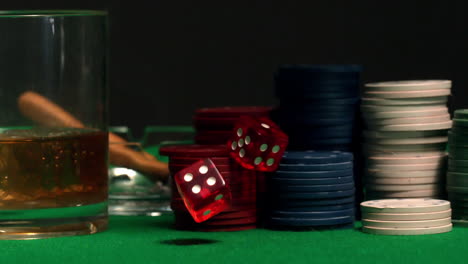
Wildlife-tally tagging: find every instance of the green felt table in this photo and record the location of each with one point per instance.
(142, 240)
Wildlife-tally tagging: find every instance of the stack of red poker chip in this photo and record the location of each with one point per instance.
(241, 215)
(214, 125)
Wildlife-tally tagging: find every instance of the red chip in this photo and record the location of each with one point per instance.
(201, 151)
(233, 111)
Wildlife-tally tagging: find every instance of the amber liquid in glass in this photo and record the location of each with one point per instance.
(52, 174)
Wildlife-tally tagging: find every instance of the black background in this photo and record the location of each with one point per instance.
(170, 57)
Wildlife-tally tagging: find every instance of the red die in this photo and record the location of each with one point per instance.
(203, 190)
(257, 143)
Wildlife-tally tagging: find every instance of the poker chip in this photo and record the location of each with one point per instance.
(401, 187)
(199, 151)
(406, 167)
(405, 206)
(407, 223)
(461, 114)
(402, 108)
(399, 159)
(289, 221)
(214, 125)
(311, 189)
(316, 157)
(416, 85)
(291, 202)
(457, 185)
(405, 139)
(369, 116)
(407, 216)
(403, 174)
(375, 149)
(405, 101)
(316, 208)
(317, 109)
(228, 111)
(313, 174)
(308, 181)
(314, 188)
(402, 134)
(372, 194)
(407, 94)
(403, 180)
(312, 214)
(316, 167)
(408, 120)
(407, 231)
(415, 126)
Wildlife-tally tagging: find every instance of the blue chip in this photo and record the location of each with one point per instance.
(316, 157)
(312, 108)
(318, 181)
(313, 174)
(316, 121)
(296, 144)
(323, 133)
(313, 188)
(290, 221)
(287, 202)
(316, 95)
(317, 208)
(316, 167)
(322, 68)
(313, 214)
(315, 195)
(309, 117)
(329, 102)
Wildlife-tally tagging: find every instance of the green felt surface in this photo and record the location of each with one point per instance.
(139, 240)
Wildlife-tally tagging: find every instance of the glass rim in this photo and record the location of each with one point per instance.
(51, 13)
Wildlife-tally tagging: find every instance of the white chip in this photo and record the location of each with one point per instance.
(407, 224)
(407, 231)
(410, 85)
(405, 101)
(404, 180)
(415, 127)
(407, 167)
(407, 120)
(401, 187)
(384, 108)
(407, 216)
(407, 141)
(405, 114)
(427, 194)
(403, 134)
(405, 206)
(374, 148)
(407, 94)
(401, 159)
(404, 174)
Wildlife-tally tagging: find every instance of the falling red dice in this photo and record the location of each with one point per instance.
(203, 190)
(257, 143)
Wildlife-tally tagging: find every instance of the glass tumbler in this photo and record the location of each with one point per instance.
(53, 123)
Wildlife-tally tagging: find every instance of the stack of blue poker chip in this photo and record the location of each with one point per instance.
(318, 105)
(311, 189)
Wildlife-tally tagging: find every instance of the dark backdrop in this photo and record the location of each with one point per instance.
(170, 57)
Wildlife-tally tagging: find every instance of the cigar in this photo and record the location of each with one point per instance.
(46, 113)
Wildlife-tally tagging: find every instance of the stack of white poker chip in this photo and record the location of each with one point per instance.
(406, 216)
(405, 138)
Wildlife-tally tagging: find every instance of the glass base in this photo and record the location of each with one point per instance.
(144, 207)
(47, 223)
